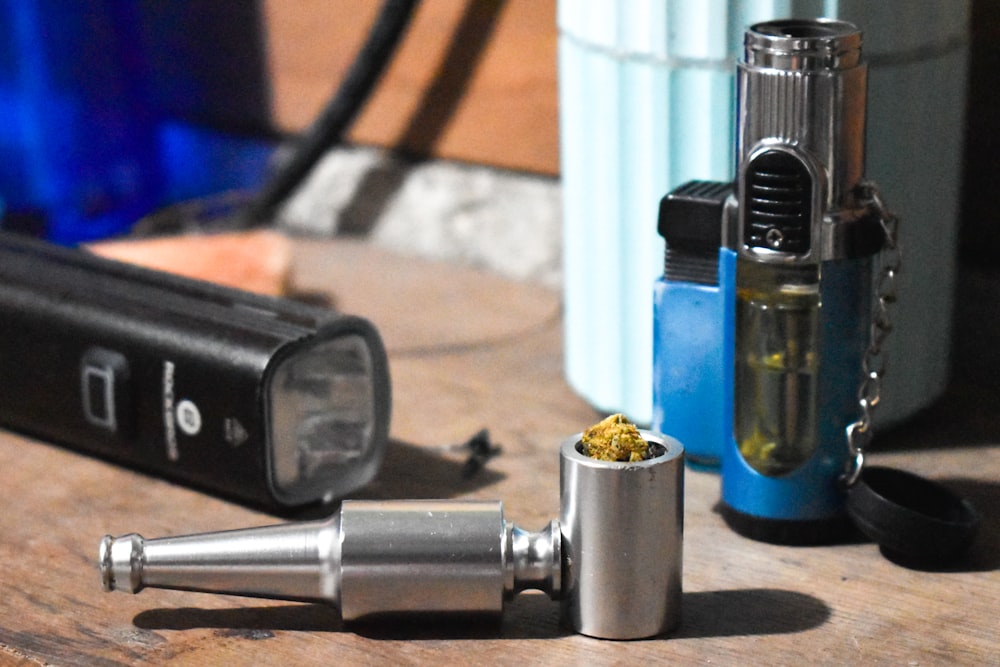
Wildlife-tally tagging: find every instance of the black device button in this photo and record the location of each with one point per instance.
(104, 376)
(98, 399)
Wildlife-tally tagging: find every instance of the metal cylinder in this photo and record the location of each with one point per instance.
(622, 525)
(421, 556)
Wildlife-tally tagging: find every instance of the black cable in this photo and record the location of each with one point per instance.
(328, 129)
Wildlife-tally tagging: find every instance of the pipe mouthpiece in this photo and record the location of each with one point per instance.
(120, 560)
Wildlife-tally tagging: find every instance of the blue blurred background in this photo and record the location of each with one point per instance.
(110, 109)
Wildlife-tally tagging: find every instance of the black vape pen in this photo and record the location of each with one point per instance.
(262, 399)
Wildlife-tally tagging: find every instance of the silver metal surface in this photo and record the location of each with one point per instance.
(622, 529)
(616, 558)
(431, 556)
(288, 561)
(368, 558)
(802, 89)
(535, 561)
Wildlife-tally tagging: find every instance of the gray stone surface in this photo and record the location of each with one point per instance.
(502, 221)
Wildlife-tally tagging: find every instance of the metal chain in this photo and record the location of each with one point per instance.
(874, 363)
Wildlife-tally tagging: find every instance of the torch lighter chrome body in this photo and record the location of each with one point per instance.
(802, 245)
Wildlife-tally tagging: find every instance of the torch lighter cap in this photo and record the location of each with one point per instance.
(796, 44)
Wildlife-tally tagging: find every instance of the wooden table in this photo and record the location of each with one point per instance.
(470, 351)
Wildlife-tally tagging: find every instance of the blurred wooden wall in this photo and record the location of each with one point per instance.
(475, 81)
(471, 81)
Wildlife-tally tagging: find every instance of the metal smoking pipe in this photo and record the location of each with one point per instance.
(613, 557)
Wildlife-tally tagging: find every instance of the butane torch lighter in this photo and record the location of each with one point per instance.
(783, 308)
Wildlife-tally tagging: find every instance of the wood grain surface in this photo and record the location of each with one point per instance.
(471, 81)
(469, 351)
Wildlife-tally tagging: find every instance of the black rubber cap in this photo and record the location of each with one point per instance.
(915, 521)
(691, 215)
